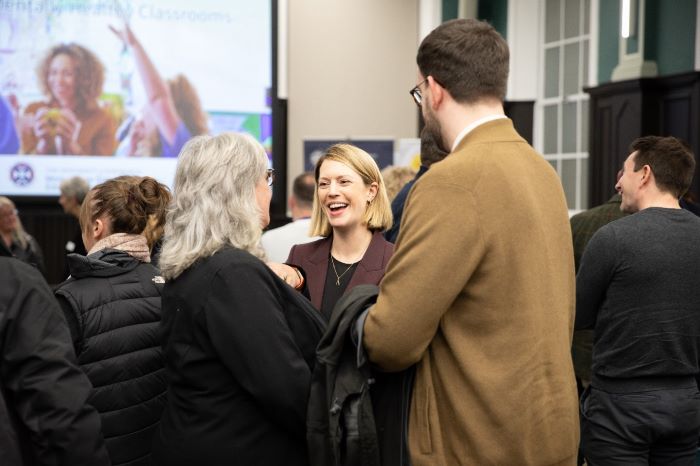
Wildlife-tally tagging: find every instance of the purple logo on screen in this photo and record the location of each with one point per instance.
(21, 174)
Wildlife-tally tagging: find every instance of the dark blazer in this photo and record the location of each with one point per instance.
(313, 259)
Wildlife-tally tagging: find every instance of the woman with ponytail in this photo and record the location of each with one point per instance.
(112, 302)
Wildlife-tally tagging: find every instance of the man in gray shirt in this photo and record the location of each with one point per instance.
(638, 286)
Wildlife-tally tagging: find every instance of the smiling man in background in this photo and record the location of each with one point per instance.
(638, 288)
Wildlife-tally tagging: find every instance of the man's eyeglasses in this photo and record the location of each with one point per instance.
(415, 92)
(270, 176)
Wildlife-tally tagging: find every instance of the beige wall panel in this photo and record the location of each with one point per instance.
(351, 65)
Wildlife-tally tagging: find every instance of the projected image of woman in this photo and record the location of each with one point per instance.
(173, 113)
(70, 121)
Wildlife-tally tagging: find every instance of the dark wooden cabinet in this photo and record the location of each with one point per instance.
(625, 110)
(44, 219)
(522, 113)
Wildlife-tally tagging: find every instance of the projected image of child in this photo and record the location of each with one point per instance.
(173, 113)
(70, 121)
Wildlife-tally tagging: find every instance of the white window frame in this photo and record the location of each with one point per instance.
(579, 155)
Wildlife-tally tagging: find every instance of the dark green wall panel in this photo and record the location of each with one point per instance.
(608, 38)
(496, 13)
(670, 35)
(450, 9)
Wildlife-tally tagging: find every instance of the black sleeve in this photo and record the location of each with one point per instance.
(48, 390)
(594, 276)
(36, 256)
(72, 320)
(250, 333)
(393, 232)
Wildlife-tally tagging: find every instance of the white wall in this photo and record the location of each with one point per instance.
(350, 65)
(523, 41)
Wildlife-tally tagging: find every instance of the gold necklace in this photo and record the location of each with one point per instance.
(337, 277)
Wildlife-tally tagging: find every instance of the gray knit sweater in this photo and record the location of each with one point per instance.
(639, 288)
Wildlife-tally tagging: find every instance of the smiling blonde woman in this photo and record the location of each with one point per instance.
(351, 209)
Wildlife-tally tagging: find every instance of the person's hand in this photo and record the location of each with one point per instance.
(68, 129)
(137, 136)
(43, 129)
(41, 124)
(289, 274)
(126, 35)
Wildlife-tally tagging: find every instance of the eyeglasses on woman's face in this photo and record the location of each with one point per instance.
(270, 176)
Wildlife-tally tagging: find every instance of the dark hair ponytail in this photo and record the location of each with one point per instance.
(157, 198)
(132, 203)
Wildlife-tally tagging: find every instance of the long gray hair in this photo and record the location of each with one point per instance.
(215, 203)
(18, 234)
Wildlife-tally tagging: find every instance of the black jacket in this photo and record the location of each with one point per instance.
(114, 304)
(31, 254)
(44, 418)
(239, 346)
(357, 416)
(74, 246)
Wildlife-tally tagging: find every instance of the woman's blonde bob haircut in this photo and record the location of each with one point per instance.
(378, 213)
(214, 201)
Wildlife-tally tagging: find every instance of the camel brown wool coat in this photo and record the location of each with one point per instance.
(480, 294)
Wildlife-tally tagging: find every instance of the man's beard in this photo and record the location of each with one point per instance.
(433, 126)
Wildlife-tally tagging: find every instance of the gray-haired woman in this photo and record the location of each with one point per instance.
(14, 241)
(238, 366)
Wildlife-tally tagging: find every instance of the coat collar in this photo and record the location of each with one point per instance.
(501, 129)
(103, 263)
(371, 263)
(469, 128)
(372, 260)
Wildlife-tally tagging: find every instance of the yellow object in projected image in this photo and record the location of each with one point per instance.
(52, 116)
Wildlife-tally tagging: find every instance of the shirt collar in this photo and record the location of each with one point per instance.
(471, 127)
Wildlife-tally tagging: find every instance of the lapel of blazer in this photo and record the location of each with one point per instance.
(370, 268)
(316, 268)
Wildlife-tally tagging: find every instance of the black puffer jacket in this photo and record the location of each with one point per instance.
(44, 417)
(115, 304)
(30, 254)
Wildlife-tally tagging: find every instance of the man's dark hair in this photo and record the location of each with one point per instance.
(670, 160)
(303, 189)
(467, 57)
(430, 151)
